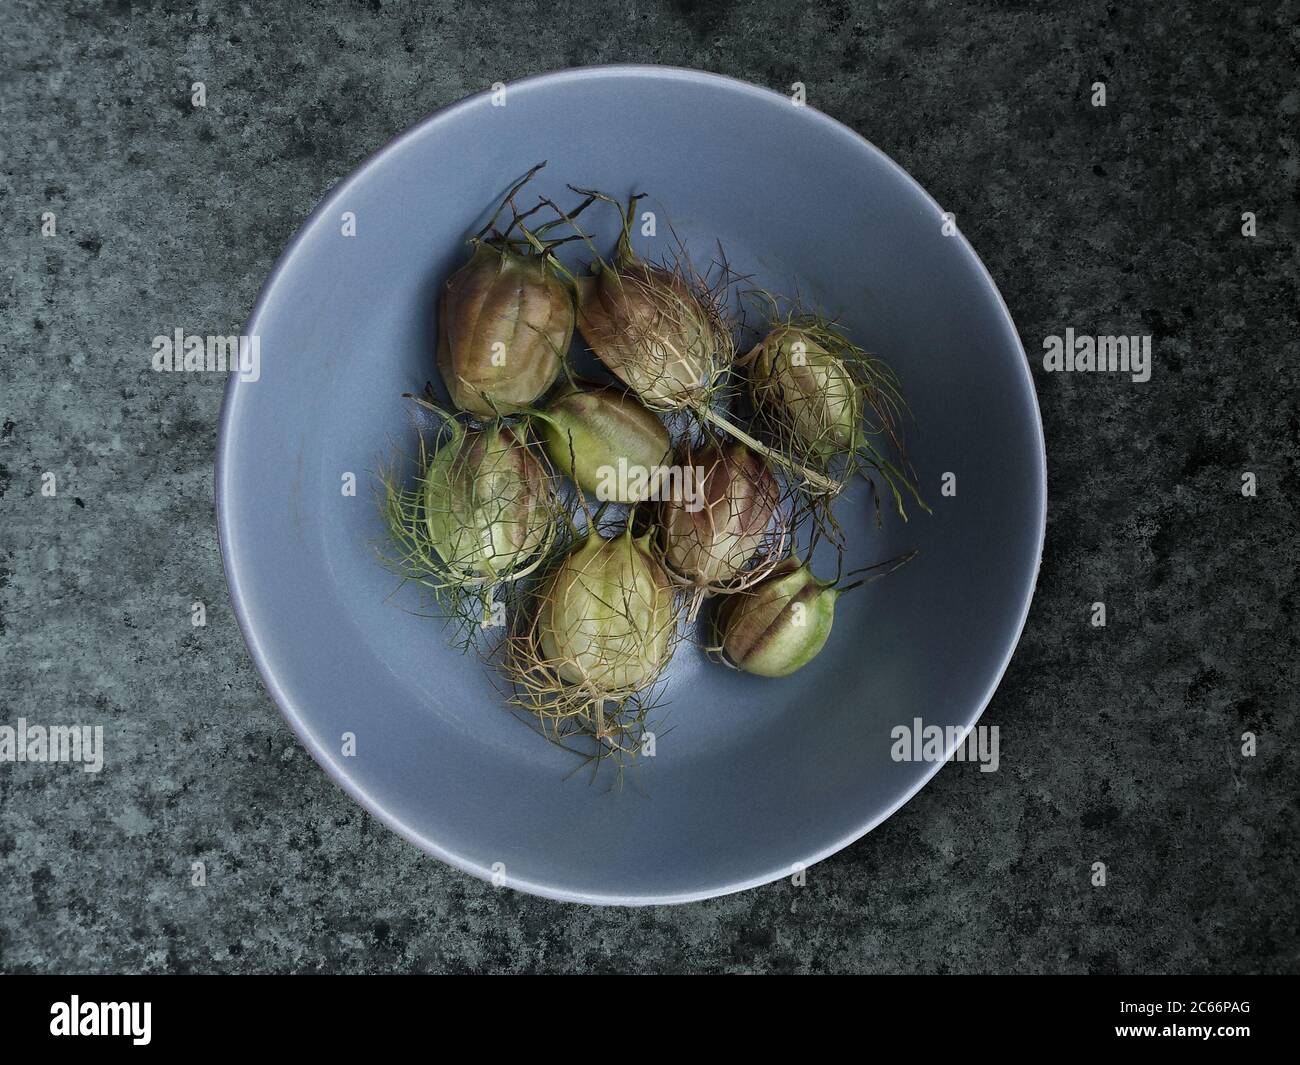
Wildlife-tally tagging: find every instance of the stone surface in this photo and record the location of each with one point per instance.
(1119, 744)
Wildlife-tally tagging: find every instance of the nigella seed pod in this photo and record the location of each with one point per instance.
(488, 504)
(780, 624)
(481, 513)
(721, 518)
(505, 321)
(592, 432)
(606, 617)
(808, 389)
(649, 326)
(486, 509)
(666, 334)
(831, 409)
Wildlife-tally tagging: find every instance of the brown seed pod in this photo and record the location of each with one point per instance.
(722, 520)
(644, 323)
(658, 329)
(601, 630)
(505, 321)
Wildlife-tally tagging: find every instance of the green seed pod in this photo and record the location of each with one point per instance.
(807, 389)
(488, 504)
(645, 324)
(504, 323)
(591, 432)
(710, 532)
(780, 624)
(606, 618)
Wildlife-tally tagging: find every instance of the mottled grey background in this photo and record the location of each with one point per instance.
(1118, 744)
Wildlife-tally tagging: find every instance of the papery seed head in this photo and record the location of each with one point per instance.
(808, 389)
(588, 430)
(646, 325)
(606, 616)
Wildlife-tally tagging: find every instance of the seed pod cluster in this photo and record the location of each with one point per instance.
(597, 600)
(780, 625)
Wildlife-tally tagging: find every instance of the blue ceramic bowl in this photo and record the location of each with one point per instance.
(752, 778)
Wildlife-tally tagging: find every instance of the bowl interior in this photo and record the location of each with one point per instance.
(750, 776)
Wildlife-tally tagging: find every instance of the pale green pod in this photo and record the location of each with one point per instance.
(487, 503)
(606, 616)
(589, 430)
(807, 389)
(779, 625)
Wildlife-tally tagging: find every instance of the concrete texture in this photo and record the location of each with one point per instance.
(1119, 744)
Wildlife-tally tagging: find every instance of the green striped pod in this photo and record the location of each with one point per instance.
(779, 625)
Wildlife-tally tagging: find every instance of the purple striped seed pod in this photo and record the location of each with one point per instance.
(505, 321)
(779, 625)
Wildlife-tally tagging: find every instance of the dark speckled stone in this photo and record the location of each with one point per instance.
(1118, 744)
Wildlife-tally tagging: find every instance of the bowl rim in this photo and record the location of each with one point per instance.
(223, 483)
